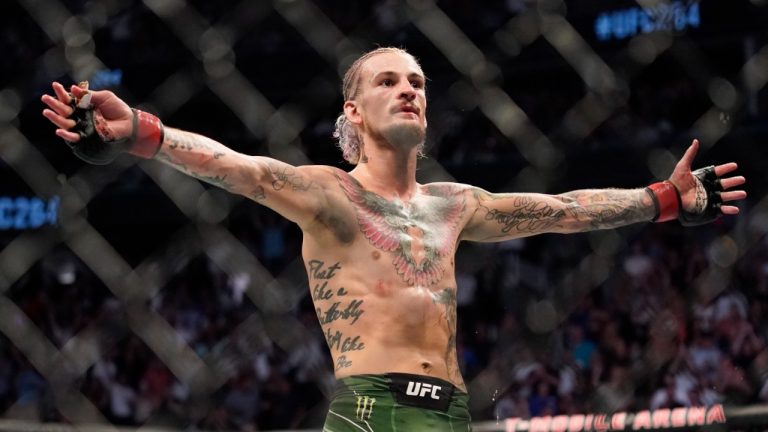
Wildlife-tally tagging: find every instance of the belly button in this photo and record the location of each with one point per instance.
(376, 255)
(427, 366)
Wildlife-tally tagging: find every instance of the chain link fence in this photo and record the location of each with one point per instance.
(134, 295)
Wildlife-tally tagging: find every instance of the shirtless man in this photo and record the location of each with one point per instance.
(379, 247)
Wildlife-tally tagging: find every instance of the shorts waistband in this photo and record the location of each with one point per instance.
(406, 389)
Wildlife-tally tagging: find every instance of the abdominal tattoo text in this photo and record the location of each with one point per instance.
(332, 305)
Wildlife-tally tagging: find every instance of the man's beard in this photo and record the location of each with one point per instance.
(405, 136)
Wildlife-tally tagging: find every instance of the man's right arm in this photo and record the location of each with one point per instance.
(107, 126)
(290, 191)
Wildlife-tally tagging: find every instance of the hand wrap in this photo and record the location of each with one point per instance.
(666, 198)
(145, 140)
(712, 188)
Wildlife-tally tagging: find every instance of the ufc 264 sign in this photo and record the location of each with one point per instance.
(422, 389)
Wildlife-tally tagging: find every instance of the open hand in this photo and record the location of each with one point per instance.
(112, 117)
(692, 192)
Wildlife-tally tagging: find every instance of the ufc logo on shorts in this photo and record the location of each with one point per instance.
(422, 389)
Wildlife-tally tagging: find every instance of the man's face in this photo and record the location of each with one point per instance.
(391, 103)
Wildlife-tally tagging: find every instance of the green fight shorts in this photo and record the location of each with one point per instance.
(397, 402)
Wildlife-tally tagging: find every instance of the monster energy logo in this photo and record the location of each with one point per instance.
(364, 407)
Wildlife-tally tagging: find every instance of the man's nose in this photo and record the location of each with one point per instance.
(408, 94)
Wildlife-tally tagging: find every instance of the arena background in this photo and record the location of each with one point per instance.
(135, 296)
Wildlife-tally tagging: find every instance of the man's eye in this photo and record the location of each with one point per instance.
(387, 82)
(417, 84)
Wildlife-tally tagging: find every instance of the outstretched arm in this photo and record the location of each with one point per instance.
(500, 217)
(288, 190)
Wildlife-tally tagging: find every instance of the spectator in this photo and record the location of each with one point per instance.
(242, 402)
(667, 396)
(703, 354)
(543, 401)
(122, 401)
(29, 387)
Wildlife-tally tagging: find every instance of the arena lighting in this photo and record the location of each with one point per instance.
(713, 418)
(211, 66)
(716, 417)
(21, 213)
(683, 417)
(106, 78)
(620, 24)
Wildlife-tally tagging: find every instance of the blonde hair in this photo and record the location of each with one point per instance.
(347, 138)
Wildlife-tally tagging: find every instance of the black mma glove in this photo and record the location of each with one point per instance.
(712, 188)
(145, 140)
(666, 198)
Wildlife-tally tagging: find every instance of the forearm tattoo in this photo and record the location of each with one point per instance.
(194, 165)
(583, 210)
(258, 193)
(528, 216)
(607, 208)
(188, 142)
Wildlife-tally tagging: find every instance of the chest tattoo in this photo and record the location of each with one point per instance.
(419, 235)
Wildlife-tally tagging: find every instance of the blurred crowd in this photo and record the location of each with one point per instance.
(642, 317)
(674, 321)
(669, 327)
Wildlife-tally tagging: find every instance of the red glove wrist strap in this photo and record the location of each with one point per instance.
(666, 199)
(148, 135)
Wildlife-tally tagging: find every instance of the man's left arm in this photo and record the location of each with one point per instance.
(693, 197)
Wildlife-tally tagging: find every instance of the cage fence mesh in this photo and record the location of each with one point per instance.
(193, 303)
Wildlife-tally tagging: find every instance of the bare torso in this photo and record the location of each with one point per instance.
(381, 270)
(381, 276)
